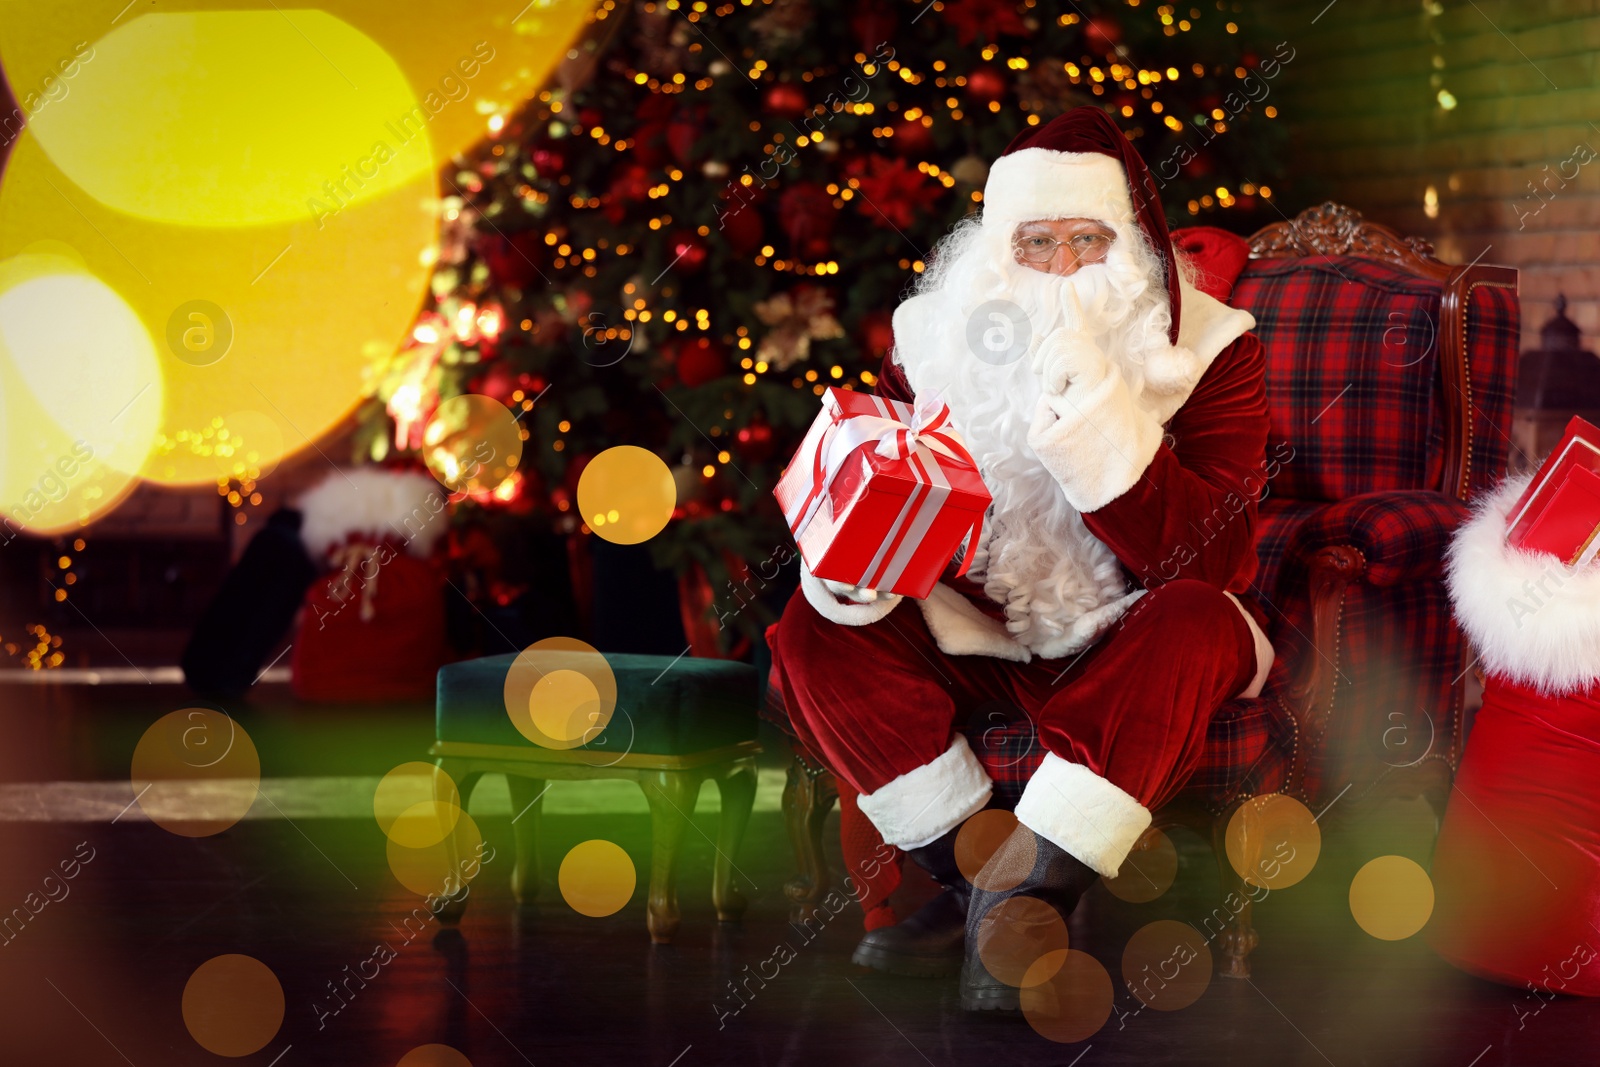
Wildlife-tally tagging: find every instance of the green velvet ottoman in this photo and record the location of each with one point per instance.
(676, 723)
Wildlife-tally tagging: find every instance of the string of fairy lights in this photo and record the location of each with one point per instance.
(893, 140)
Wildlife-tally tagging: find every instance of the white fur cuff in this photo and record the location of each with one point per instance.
(1531, 620)
(930, 801)
(1076, 809)
(832, 609)
(1097, 443)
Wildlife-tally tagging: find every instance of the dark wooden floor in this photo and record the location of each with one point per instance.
(97, 977)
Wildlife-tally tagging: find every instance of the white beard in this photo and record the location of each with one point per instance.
(1059, 585)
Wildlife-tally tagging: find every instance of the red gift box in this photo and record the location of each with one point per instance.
(881, 495)
(1559, 512)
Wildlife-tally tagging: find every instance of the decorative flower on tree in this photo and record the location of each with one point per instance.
(893, 193)
(795, 319)
(989, 17)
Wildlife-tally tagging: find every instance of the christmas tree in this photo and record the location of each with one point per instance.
(712, 214)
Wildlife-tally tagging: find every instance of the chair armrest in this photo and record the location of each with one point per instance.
(1400, 536)
(1383, 539)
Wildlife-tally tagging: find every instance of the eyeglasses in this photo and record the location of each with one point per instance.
(1085, 247)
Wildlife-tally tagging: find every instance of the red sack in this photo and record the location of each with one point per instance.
(1517, 868)
(1516, 871)
(373, 630)
(373, 627)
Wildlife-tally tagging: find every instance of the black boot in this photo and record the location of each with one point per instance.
(926, 944)
(1048, 873)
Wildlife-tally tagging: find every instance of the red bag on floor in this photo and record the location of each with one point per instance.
(1517, 868)
(1516, 871)
(373, 627)
(373, 630)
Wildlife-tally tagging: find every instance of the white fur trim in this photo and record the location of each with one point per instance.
(1264, 653)
(399, 506)
(960, 629)
(1531, 619)
(1039, 183)
(928, 802)
(1074, 808)
(833, 609)
(1095, 439)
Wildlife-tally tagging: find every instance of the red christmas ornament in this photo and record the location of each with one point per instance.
(630, 186)
(699, 360)
(785, 100)
(806, 213)
(873, 24)
(688, 251)
(1199, 167)
(986, 84)
(741, 227)
(756, 441)
(515, 260)
(875, 334)
(549, 161)
(1104, 33)
(912, 138)
(632, 183)
(684, 132)
(650, 135)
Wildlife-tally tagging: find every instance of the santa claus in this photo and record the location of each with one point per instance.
(1118, 417)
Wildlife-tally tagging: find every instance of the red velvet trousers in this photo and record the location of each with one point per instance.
(874, 702)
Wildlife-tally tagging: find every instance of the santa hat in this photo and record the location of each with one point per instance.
(1079, 165)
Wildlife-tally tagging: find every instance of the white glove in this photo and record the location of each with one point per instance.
(1069, 357)
(855, 594)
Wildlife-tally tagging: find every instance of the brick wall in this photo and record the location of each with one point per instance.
(1367, 127)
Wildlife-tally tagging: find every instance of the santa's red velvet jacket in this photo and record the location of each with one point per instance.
(1189, 512)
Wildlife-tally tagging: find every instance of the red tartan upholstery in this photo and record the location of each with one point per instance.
(1355, 389)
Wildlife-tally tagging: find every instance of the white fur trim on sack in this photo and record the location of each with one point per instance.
(400, 506)
(1531, 620)
(1040, 183)
(928, 802)
(1074, 808)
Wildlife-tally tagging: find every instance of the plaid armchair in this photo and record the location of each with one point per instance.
(1390, 378)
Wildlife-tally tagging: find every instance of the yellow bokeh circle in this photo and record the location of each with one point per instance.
(1015, 935)
(1067, 996)
(565, 705)
(560, 693)
(310, 309)
(233, 1005)
(1167, 965)
(1273, 841)
(406, 788)
(81, 392)
(597, 878)
(195, 772)
(472, 443)
(1148, 871)
(978, 839)
(433, 1056)
(626, 494)
(444, 866)
(1391, 897)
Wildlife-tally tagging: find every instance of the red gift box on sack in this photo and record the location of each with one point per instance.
(1559, 512)
(881, 495)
